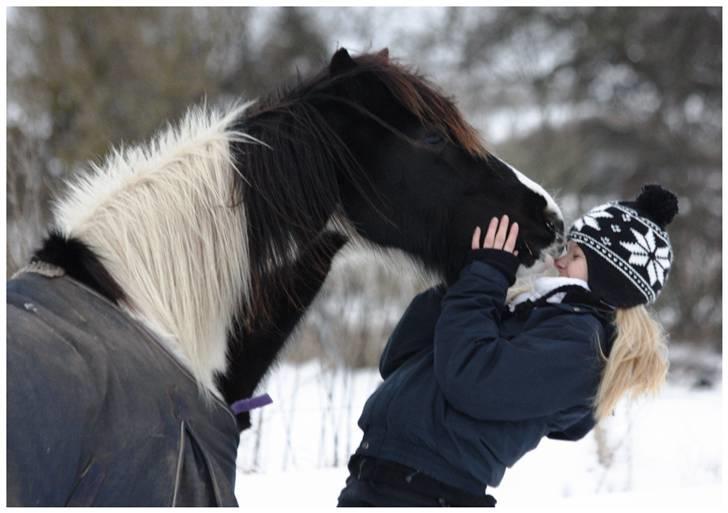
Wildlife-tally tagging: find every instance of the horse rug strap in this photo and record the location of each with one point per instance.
(245, 405)
(99, 413)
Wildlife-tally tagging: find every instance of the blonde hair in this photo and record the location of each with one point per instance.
(637, 363)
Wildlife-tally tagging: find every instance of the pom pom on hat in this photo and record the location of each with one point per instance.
(657, 204)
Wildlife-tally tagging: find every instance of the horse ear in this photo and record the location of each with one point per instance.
(341, 62)
(384, 53)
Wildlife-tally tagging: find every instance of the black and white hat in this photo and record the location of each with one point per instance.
(627, 249)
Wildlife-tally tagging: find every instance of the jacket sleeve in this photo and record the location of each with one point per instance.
(548, 367)
(413, 332)
(576, 431)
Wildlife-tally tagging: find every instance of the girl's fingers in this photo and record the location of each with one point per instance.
(500, 236)
(490, 234)
(475, 243)
(511, 240)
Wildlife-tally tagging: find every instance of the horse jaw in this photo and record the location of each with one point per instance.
(393, 258)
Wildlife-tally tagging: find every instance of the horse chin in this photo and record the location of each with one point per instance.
(527, 260)
(528, 255)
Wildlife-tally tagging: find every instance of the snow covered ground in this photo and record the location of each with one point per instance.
(663, 452)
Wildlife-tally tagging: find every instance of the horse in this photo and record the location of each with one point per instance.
(175, 271)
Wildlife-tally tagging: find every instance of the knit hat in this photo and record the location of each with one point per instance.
(627, 249)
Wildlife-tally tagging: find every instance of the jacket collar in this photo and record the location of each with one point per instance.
(572, 295)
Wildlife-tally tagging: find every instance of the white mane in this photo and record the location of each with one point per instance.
(160, 218)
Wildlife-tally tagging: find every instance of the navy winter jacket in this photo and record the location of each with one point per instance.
(470, 388)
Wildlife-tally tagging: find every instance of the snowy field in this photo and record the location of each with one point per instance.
(663, 452)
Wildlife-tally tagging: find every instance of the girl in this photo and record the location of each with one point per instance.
(472, 384)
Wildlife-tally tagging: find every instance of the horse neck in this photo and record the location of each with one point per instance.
(290, 189)
(162, 221)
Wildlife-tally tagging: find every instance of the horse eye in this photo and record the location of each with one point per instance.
(433, 138)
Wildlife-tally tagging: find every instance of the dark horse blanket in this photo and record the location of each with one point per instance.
(99, 413)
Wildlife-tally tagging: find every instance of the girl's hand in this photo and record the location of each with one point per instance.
(497, 236)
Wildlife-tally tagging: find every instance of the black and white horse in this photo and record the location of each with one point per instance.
(218, 234)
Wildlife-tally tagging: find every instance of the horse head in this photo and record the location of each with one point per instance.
(423, 179)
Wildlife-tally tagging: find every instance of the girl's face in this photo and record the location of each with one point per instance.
(573, 263)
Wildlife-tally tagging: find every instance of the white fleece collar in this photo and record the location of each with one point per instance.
(544, 285)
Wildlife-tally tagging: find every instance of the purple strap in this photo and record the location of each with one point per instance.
(244, 405)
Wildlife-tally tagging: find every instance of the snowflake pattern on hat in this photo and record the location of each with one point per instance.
(646, 253)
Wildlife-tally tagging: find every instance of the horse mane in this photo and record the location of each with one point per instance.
(290, 192)
(159, 218)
